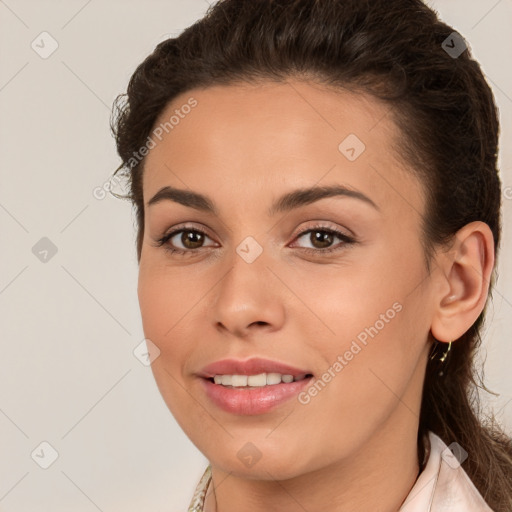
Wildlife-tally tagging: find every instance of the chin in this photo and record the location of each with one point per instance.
(258, 462)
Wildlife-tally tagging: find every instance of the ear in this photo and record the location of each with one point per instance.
(464, 281)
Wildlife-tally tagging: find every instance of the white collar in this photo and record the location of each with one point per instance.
(442, 486)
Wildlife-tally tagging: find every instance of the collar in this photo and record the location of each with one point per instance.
(442, 486)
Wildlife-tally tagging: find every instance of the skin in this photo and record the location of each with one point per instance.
(353, 446)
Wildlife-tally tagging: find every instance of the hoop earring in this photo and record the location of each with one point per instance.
(443, 357)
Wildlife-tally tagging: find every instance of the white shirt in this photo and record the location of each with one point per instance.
(442, 486)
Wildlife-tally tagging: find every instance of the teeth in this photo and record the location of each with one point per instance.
(273, 378)
(260, 380)
(226, 380)
(239, 380)
(257, 380)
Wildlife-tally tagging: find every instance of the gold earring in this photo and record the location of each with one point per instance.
(443, 357)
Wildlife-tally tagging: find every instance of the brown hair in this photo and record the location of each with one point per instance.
(396, 51)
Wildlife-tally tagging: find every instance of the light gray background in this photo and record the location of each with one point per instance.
(69, 326)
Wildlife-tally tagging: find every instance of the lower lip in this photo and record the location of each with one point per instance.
(253, 401)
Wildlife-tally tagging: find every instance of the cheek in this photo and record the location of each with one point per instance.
(373, 328)
(164, 305)
(164, 299)
(370, 374)
(346, 299)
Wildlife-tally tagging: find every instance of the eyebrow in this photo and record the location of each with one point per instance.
(289, 201)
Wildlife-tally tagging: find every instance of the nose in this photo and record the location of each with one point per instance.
(248, 299)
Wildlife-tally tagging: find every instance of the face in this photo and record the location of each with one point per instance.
(334, 286)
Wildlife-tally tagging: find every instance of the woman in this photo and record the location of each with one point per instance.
(318, 210)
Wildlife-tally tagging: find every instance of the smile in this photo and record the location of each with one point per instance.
(253, 399)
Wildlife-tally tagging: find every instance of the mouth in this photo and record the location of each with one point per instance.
(252, 386)
(246, 395)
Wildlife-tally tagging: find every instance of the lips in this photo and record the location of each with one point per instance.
(252, 401)
(252, 366)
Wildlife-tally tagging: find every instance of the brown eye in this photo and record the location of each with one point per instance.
(191, 239)
(321, 239)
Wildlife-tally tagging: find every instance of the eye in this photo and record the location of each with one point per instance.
(322, 237)
(191, 239)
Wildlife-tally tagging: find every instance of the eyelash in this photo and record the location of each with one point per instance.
(347, 240)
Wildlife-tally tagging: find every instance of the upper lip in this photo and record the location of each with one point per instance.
(253, 366)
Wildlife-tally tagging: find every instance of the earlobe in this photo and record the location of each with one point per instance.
(466, 274)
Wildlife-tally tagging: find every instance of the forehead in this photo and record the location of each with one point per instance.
(273, 136)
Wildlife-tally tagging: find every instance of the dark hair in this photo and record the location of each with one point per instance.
(401, 53)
